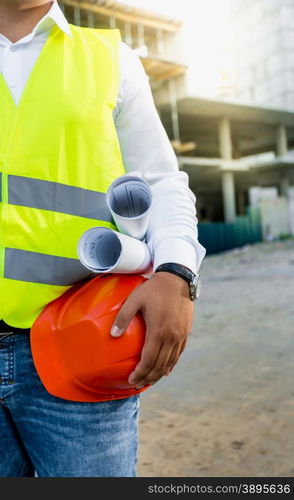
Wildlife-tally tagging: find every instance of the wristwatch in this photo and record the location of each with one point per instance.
(191, 278)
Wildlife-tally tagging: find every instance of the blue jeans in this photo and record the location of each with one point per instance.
(49, 437)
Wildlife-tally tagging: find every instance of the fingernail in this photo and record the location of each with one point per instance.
(115, 331)
(140, 387)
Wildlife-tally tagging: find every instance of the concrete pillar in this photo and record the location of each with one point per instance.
(77, 16)
(174, 110)
(141, 35)
(284, 186)
(128, 34)
(229, 201)
(112, 22)
(159, 41)
(281, 140)
(282, 149)
(225, 140)
(90, 19)
(228, 184)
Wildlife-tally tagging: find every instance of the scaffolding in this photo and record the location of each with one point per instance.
(141, 30)
(145, 32)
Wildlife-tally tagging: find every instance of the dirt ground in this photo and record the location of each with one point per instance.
(228, 408)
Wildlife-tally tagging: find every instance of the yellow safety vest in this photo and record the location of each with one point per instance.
(59, 152)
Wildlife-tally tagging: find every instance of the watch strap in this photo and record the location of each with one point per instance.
(177, 269)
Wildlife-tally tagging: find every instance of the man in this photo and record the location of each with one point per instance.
(77, 111)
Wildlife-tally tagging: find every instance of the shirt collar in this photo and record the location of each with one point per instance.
(53, 16)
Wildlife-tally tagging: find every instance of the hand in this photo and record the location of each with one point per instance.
(165, 305)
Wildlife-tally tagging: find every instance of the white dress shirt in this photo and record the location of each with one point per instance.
(145, 147)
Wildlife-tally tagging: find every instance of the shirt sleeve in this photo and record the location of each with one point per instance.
(146, 151)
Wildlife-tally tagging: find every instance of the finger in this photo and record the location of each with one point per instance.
(160, 366)
(149, 356)
(158, 370)
(125, 315)
(175, 357)
(171, 362)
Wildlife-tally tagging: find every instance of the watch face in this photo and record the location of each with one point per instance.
(195, 287)
(198, 288)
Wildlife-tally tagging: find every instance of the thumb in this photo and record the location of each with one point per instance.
(125, 315)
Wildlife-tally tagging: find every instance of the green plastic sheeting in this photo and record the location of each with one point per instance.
(218, 237)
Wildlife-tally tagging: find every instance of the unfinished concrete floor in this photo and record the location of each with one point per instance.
(228, 407)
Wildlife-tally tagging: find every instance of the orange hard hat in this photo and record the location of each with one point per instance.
(74, 354)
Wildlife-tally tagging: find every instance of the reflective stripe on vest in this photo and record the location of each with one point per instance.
(39, 268)
(46, 195)
(59, 153)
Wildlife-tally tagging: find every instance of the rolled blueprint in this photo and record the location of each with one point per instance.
(129, 199)
(103, 250)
